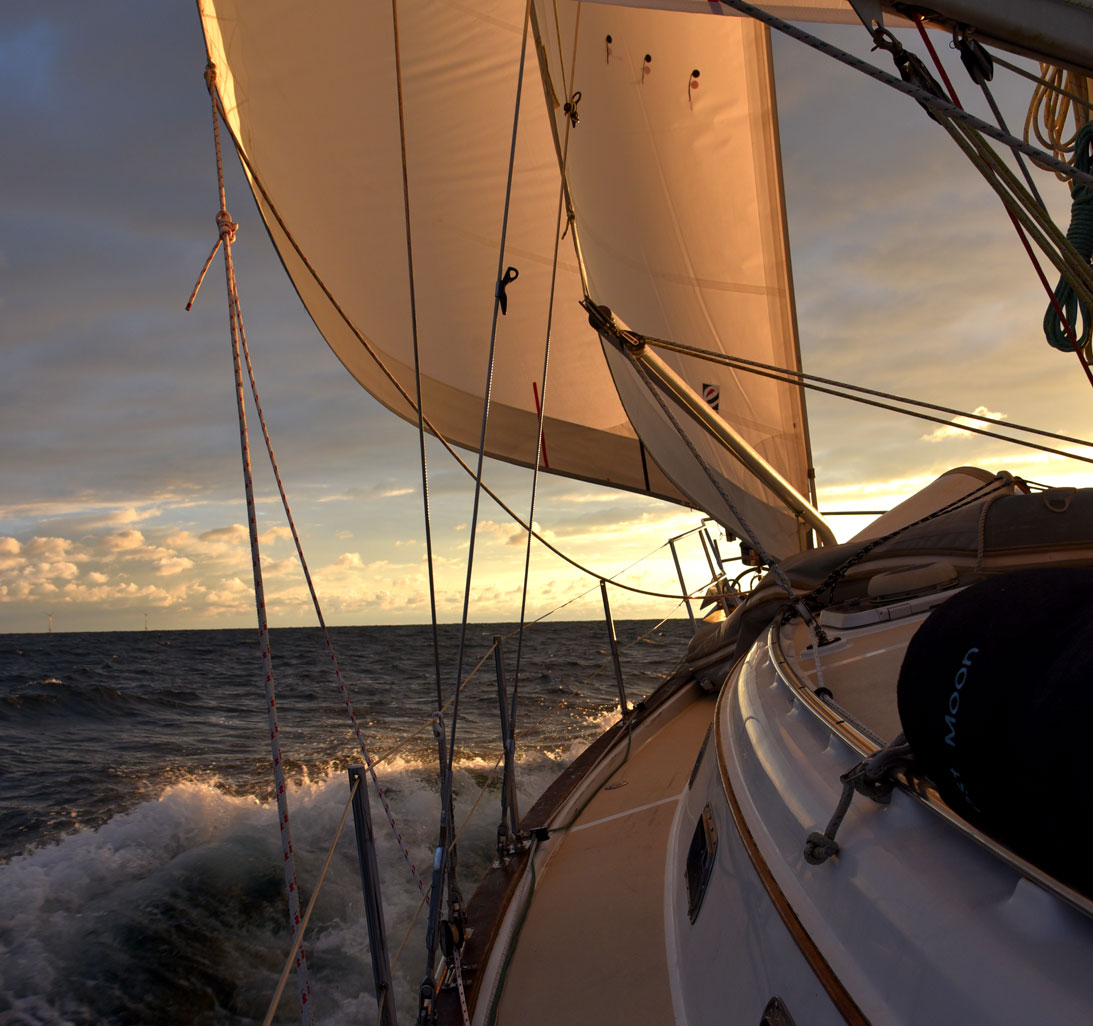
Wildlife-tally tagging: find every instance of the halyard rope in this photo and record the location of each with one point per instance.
(927, 99)
(227, 229)
(1059, 324)
(347, 701)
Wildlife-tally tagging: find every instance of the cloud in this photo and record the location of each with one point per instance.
(236, 534)
(167, 566)
(48, 548)
(955, 429)
(124, 541)
(274, 534)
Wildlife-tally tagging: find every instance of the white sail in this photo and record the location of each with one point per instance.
(676, 188)
(310, 94)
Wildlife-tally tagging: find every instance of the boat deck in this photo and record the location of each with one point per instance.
(592, 947)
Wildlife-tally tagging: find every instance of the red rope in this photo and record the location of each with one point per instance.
(228, 229)
(1070, 333)
(227, 234)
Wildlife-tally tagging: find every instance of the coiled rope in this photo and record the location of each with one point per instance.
(1080, 236)
(1058, 94)
(1030, 221)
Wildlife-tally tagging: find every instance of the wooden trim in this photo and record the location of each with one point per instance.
(846, 1006)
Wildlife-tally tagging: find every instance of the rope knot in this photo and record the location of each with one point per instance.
(227, 226)
(873, 778)
(819, 848)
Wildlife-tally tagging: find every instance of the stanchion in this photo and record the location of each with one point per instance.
(509, 826)
(373, 906)
(614, 648)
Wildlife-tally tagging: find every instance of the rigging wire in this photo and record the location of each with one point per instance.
(1022, 208)
(569, 124)
(813, 382)
(935, 103)
(445, 851)
(417, 360)
(256, 181)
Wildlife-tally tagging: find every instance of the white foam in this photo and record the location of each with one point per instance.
(199, 862)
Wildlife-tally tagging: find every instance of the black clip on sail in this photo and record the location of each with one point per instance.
(511, 274)
(570, 109)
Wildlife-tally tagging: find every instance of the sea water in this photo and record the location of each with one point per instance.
(140, 858)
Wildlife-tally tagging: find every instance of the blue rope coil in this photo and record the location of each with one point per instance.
(1080, 235)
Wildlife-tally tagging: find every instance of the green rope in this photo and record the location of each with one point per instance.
(1080, 236)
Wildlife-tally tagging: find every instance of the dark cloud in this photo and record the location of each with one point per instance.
(110, 389)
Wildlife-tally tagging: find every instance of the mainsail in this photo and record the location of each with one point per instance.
(675, 191)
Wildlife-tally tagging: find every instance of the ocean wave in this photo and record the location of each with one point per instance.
(53, 697)
(175, 911)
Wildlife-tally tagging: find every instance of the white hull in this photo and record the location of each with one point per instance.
(919, 918)
(912, 922)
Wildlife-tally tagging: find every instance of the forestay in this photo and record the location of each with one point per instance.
(310, 95)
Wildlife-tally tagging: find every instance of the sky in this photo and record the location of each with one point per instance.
(121, 502)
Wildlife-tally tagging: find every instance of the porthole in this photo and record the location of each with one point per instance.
(700, 857)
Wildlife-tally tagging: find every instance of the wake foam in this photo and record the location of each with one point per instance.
(175, 911)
